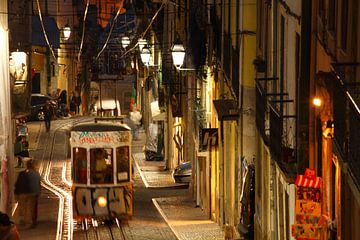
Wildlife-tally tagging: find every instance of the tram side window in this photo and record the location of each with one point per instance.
(101, 160)
(80, 165)
(122, 162)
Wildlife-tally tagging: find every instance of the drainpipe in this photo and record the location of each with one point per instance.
(303, 88)
(221, 147)
(274, 221)
(48, 66)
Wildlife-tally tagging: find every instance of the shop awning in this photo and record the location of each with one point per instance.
(226, 109)
(51, 29)
(302, 181)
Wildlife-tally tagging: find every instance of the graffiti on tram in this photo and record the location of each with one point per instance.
(84, 138)
(118, 201)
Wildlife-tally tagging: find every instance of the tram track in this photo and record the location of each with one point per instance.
(55, 171)
(59, 186)
(92, 229)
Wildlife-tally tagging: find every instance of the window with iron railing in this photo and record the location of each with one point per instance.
(227, 55)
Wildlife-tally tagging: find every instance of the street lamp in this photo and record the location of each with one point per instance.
(142, 43)
(317, 102)
(178, 54)
(145, 55)
(66, 32)
(125, 41)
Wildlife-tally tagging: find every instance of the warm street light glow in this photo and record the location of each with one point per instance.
(178, 54)
(66, 32)
(317, 102)
(145, 55)
(125, 41)
(142, 43)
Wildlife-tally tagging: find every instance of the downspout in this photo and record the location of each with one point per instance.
(302, 139)
(272, 167)
(47, 55)
(221, 159)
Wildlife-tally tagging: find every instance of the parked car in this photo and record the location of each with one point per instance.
(38, 102)
(183, 172)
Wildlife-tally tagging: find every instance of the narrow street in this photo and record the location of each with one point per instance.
(50, 153)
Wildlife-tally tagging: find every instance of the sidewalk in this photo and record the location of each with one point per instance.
(181, 214)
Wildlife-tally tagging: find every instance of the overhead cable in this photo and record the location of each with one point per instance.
(112, 26)
(83, 30)
(148, 27)
(43, 29)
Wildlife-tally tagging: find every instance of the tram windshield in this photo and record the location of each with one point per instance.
(80, 165)
(101, 162)
(122, 162)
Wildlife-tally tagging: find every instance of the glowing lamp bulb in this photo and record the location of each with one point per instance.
(317, 102)
(102, 202)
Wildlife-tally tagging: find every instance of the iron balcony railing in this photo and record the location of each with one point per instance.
(346, 114)
(269, 114)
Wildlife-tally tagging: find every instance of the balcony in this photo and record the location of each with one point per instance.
(269, 115)
(346, 92)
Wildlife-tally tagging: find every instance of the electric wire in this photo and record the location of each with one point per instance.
(148, 27)
(83, 30)
(111, 29)
(43, 29)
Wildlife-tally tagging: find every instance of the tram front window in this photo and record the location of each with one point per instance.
(101, 160)
(80, 165)
(122, 162)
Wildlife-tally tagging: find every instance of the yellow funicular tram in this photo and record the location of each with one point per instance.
(101, 170)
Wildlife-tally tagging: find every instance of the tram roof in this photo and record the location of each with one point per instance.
(100, 127)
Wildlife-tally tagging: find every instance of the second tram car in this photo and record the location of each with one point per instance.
(101, 171)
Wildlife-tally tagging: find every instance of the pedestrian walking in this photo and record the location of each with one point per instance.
(73, 105)
(21, 146)
(135, 117)
(8, 230)
(27, 191)
(77, 99)
(63, 102)
(48, 112)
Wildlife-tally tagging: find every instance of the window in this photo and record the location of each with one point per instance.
(101, 160)
(297, 56)
(320, 8)
(282, 52)
(79, 165)
(123, 164)
(344, 23)
(331, 16)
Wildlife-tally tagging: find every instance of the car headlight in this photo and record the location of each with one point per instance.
(102, 202)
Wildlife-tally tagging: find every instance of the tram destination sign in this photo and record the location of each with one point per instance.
(90, 138)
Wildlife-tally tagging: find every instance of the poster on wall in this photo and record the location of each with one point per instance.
(307, 207)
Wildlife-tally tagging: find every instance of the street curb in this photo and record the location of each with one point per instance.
(157, 206)
(141, 174)
(147, 185)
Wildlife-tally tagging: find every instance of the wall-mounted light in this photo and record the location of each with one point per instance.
(145, 55)
(66, 32)
(125, 41)
(142, 43)
(317, 101)
(178, 54)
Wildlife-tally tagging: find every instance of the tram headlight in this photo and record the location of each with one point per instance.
(102, 202)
